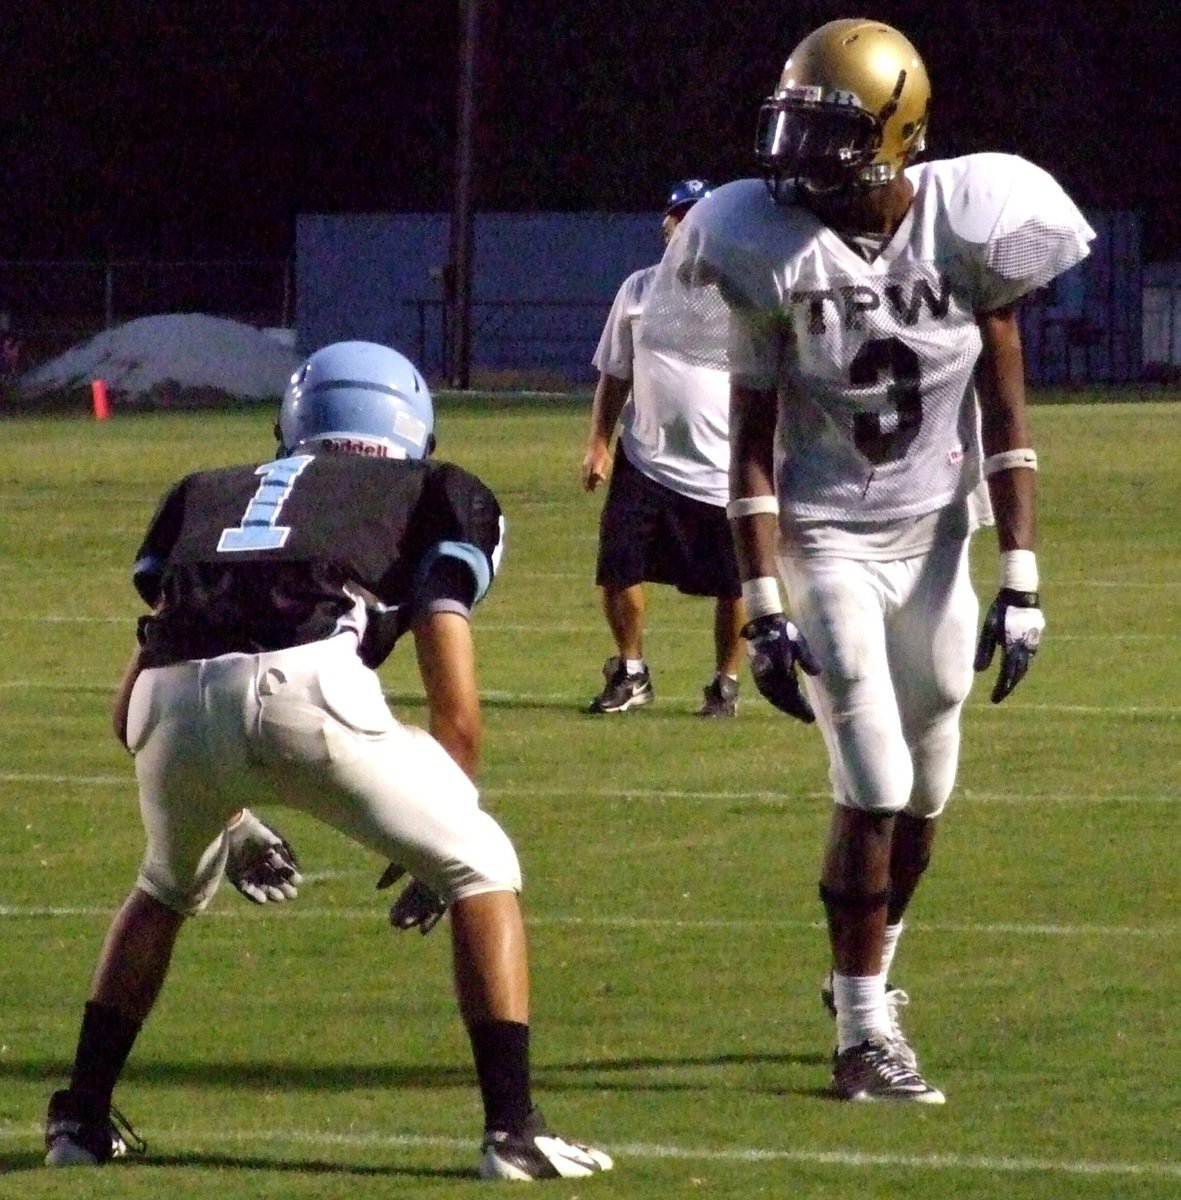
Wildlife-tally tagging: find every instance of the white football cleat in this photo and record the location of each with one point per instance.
(535, 1153)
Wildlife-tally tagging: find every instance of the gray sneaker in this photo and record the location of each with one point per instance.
(874, 1071)
(896, 999)
(720, 697)
(622, 691)
(80, 1134)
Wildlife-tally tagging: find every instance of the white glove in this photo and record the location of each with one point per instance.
(1014, 623)
(261, 863)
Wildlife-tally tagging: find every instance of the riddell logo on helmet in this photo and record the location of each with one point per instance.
(346, 445)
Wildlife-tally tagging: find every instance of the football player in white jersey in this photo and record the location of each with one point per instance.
(664, 519)
(865, 306)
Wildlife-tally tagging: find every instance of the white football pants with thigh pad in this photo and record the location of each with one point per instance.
(895, 641)
(307, 728)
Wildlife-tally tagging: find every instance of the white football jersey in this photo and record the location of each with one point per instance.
(873, 361)
(675, 426)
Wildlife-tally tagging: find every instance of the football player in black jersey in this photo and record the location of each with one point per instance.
(274, 590)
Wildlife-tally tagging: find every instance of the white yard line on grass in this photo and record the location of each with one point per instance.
(103, 781)
(657, 795)
(653, 1152)
(306, 912)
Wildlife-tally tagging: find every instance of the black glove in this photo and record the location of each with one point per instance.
(775, 647)
(260, 862)
(383, 627)
(417, 906)
(1014, 622)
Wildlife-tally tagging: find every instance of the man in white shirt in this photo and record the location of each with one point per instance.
(664, 518)
(865, 307)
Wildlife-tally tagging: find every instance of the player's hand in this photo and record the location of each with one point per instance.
(383, 627)
(417, 907)
(261, 863)
(776, 647)
(596, 466)
(1015, 623)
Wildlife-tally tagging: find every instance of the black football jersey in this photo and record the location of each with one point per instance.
(261, 557)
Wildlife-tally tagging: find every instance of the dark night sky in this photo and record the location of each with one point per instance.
(201, 128)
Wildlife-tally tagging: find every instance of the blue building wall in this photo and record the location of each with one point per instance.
(545, 281)
(1086, 327)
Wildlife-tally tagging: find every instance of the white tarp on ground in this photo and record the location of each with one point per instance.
(174, 353)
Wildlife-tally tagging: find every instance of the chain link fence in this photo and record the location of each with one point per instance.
(46, 306)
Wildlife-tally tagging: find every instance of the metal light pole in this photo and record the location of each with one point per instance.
(458, 277)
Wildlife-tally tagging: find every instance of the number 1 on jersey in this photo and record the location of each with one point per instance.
(259, 528)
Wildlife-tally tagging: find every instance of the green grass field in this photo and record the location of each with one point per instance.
(670, 870)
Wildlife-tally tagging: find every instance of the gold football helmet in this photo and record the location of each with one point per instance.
(850, 109)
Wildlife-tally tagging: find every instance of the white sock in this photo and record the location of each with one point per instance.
(861, 1009)
(893, 933)
(635, 666)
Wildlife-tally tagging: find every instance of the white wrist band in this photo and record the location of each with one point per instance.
(750, 506)
(761, 597)
(1006, 460)
(1019, 570)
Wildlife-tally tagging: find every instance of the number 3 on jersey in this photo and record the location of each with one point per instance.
(895, 359)
(259, 528)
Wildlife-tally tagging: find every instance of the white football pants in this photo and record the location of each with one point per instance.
(307, 728)
(895, 642)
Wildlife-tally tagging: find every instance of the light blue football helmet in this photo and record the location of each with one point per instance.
(359, 397)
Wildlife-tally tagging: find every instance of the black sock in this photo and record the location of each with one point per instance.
(103, 1046)
(501, 1051)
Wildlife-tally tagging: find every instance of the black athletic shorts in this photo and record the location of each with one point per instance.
(649, 533)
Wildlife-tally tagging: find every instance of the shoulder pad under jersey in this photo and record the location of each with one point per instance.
(744, 236)
(731, 253)
(461, 509)
(1014, 220)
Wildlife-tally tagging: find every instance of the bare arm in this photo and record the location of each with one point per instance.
(1000, 382)
(447, 663)
(775, 645)
(1014, 622)
(610, 396)
(753, 414)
